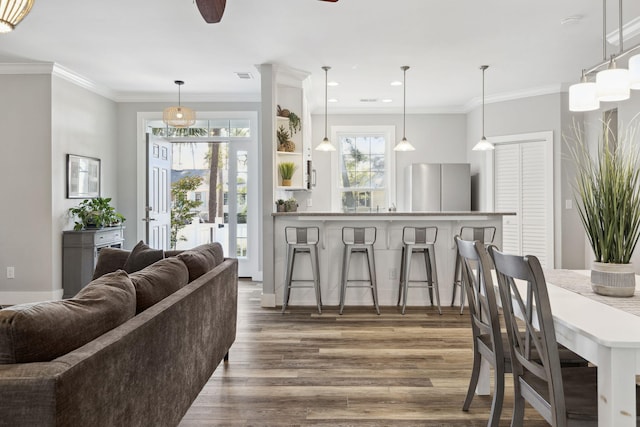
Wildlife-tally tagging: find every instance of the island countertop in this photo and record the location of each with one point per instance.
(391, 214)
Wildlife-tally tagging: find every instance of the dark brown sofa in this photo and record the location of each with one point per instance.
(145, 372)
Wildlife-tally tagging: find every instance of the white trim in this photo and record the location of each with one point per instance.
(511, 96)
(13, 298)
(547, 138)
(390, 160)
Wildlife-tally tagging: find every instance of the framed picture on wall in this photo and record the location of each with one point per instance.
(83, 177)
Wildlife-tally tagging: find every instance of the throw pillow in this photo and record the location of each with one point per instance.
(142, 256)
(157, 282)
(109, 260)
(40, 332)
(201, 259)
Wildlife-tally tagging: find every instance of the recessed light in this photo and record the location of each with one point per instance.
(396, 83)
(332, 100)
(387, 100)
(333, 84)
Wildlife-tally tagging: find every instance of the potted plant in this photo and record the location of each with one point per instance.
(280, 205)
(294, 121)
(607, 191)
(284, 142)
(286, 170)
(291, 205)
(95, 213)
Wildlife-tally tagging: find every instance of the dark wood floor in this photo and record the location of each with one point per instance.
(358, 369)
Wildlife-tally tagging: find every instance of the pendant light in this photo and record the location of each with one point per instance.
(611, 84)
(12, 12)
(404, 145)
(325, 145)
(483, 144)
(179, 117)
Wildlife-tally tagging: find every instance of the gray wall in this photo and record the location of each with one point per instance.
(438, 138)
(44, 118)
(534, 114)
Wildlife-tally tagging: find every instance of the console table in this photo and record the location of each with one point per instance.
(80, 251)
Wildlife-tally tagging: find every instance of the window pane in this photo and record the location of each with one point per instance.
(218, 127)
(363, 144)
(240, 128)
(378, 145)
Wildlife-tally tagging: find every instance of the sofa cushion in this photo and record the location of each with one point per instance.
(110, 260)
(142, 256)
(39, 332)
(201, 259)
(158, 281)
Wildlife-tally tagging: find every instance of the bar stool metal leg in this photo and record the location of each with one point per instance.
(372, 277)
(345, 272)
(313, 252)
(433, 280)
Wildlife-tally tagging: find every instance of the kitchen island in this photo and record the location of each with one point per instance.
(387, 254)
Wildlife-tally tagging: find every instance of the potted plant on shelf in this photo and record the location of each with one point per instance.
(294, 121)
(607, 189)
(284, 142)
(280, 205)
(286, 170)
(95, 213)
(291, 205)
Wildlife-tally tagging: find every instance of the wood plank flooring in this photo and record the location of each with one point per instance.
(358, 369)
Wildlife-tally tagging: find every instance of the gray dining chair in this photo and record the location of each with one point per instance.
(564, 396)
(485, 323)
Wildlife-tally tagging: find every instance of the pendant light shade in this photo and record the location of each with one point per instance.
(634, 72)
(583, 96)
(179, 116)
(325, 145)
(12, 12)
(404, 145)
(613, 84)
(483, 144)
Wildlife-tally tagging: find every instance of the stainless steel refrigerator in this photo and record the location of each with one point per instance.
(438, 187)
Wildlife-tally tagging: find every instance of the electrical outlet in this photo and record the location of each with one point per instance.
(393, 273)
(11, 273)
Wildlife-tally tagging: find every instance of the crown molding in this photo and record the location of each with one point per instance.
(53, 69)
(203, 97)
(511, 96)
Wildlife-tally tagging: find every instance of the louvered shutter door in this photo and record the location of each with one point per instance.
(534, 206)
(507, 194)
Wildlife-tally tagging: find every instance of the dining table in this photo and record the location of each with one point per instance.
(605, 331)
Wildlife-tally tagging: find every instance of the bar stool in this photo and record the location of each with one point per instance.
(359, 240)
(302, 240)
(484, 235)
(419, 240)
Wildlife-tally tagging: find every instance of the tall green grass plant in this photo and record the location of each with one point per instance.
(607, 193)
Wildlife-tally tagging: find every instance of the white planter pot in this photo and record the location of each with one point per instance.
(616, 280)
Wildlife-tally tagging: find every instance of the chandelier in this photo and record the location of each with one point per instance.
(611, 83)
(179, 117)
(12, 12)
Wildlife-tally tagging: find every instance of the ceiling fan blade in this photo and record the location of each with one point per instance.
(211, 10)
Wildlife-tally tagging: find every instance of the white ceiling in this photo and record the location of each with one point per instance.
(134, 50)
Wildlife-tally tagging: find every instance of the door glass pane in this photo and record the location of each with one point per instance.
(242, 174)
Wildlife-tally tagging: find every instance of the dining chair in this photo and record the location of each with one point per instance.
(488, 341)
(564, 396)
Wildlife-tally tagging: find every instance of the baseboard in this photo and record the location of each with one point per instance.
(13, 298)
(268, 300)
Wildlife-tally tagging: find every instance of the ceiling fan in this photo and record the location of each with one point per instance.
(212, 10)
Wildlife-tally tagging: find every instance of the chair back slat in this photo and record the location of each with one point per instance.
(525, 302)
(482, 234)
(419, 235)
(478, 284)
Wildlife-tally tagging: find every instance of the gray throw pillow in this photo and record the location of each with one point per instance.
(40, 332)
(158, 281)
(201, 259)
(142, 256)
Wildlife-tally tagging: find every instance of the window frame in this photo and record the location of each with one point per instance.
(388, 132)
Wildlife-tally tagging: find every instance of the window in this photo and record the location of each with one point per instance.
(364, 161)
